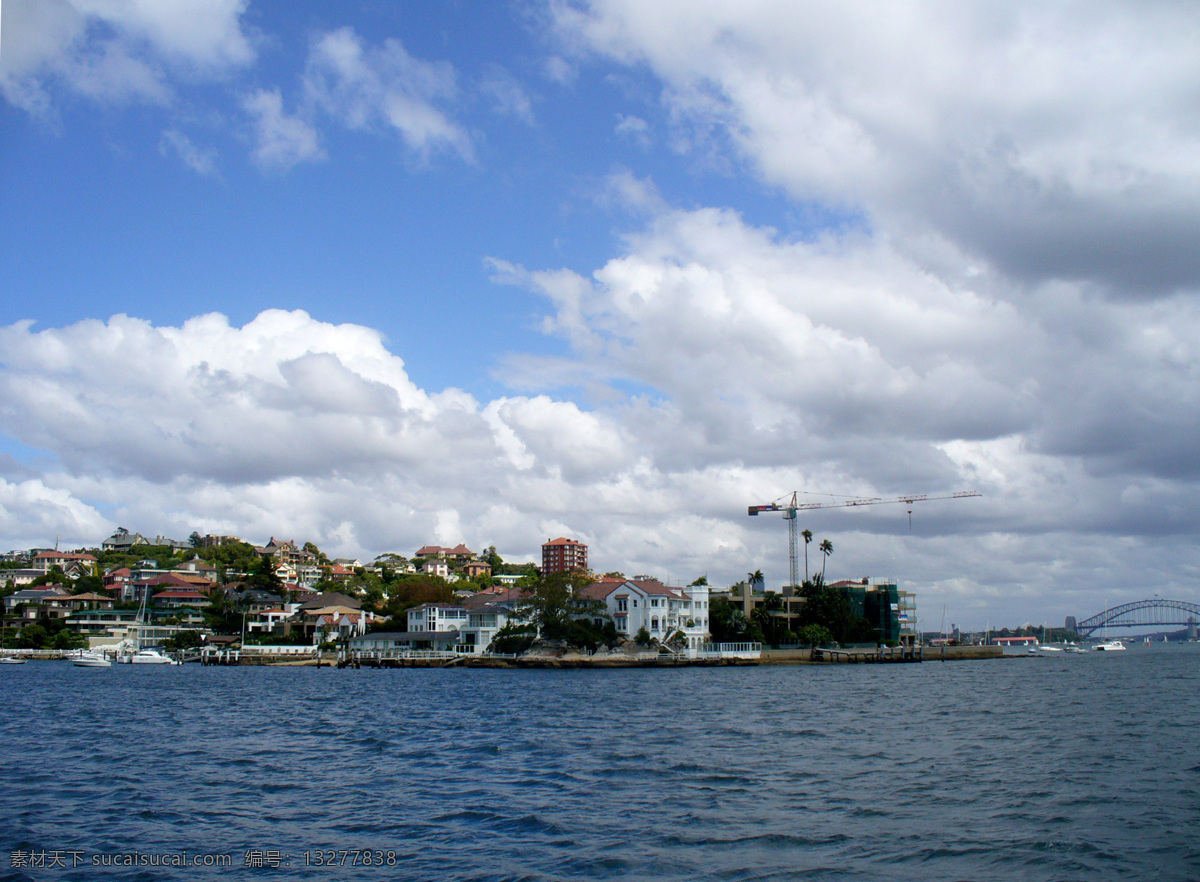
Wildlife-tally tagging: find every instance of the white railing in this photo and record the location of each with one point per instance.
(257, 649)
(363, 654)
(728, 650)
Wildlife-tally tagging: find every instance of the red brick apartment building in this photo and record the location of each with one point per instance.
(563, 554)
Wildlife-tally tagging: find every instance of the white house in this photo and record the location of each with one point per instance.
(437, 617)
(482, 624)
(660, 609)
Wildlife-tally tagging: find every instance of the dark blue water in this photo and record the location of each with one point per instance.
(1078, 767)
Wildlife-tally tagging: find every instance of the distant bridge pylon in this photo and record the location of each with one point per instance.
(1140, 613)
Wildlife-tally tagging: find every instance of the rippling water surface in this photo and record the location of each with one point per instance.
(1075, 767)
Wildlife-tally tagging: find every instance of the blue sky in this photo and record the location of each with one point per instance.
(437, 272)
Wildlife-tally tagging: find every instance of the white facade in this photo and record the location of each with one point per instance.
(646, 603)
(437, 617)
(482, 625)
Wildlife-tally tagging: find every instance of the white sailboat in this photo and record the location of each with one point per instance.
(1046, 647)
(134, 654)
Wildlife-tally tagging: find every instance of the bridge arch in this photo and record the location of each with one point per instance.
(1156, 611)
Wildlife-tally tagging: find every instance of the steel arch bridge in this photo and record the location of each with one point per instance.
(1140, 613)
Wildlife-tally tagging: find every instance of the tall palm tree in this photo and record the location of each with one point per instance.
(756, 578)
(807, 534)
(826, 548)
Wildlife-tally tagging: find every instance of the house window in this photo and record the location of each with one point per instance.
(622, 604)
(654, 624)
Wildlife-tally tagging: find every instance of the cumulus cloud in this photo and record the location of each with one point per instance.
(364, 86)
(111, 50)
(1059, 142)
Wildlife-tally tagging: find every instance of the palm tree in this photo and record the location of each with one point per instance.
(756, 578)
(807, 534)
(826, 548)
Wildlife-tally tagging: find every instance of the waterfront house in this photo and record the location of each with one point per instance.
(662, 610)
(482, 624)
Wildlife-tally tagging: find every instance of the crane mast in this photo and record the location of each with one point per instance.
(792, 506)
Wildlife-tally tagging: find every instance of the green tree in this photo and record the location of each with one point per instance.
(764, 616)
(826, 548)
(264, 577)
(807, 534)
(728, 624)
(814, 635)
(513, 639)
(88, 585)
(491, 557)
(32, 637)
(642, 638)
(66, 639)
(558, 610)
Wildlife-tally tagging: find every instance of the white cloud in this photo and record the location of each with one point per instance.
(282, 141)
(113, 50)
(34, 515)
(508, 96)
(366, 86)
(1056, 141)
(203, 162)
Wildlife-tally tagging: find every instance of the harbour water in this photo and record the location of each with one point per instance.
(1072, 767)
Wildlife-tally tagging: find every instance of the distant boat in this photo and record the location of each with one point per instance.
(11, 660)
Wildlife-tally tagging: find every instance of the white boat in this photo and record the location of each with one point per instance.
(1107, 645)
(131, 652)
(151, 657)
(91, 659)
(11, 660)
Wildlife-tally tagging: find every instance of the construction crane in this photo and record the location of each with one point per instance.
(793, 506)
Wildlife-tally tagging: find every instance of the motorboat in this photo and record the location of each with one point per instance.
(91, 659)
(11, 660)
(1109, 646)
(151, 657)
